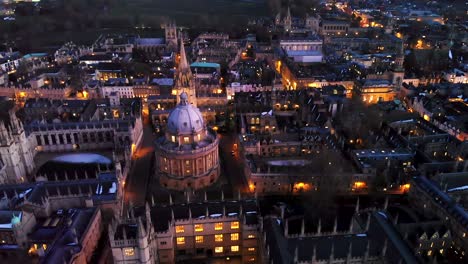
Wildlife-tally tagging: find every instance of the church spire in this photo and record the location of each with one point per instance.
(183, 78)
(183, 63)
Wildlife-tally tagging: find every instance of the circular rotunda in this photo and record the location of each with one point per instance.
(187, 156)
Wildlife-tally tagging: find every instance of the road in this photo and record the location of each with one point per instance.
(232, 165)
(141, 170)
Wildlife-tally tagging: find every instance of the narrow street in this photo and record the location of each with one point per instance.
(142, 162)
(232, 164)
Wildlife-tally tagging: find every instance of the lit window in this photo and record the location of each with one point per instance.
(129, 252)
(180, 240)
(219, 238)
(251, 236)
(198, 228)
(251, 249)
(199, 137)
(252, 259)
(179, 229)
(234, 248)
(187, 162)
(199, 239)
(218, 249)
(186, 140)
(234, 236)
(234, 225)
(219, 226)
(173, 138)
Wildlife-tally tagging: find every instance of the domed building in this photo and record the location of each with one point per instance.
(187, 156)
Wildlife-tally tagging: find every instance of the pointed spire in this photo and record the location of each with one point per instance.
(386, 203)
(207, 212)
(141, 228)
(172, 215)
(170, 199)
(350, 253)
(335, 225)
(319, 228)
(206, 197)
(314, 254)
(239, 195)
(222, 195)
(224, 210)
(296, 255)
(286, 227)
(351, 225)
(183, 63)
(303, 227)
(332, 253)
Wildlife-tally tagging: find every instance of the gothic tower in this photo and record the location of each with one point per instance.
(288, 21)
(26, 147)
(171, 35)
(184, 79)
(399, 71)
(11, 156)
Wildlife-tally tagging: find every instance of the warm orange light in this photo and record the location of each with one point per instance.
(22, 94)
(252, 187)
(85, 94)
(405, 187)
(360, 185)
(301, 186)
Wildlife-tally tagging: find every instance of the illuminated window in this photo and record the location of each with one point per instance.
(234, 236)
(173, 138)
(218, 249)
(219, 226)
(234, 248)
(186, 140)
(219, 238)
(234, 225)
(251, 236)
(187, 162)
(129, 252)
(251, 249)
(198, 239)
(198, 228)
(180, 240)
(199, 137)
(179, 229)
(44, 246)
(252, 259)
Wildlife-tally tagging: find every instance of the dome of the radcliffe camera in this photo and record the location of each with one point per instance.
(185, 118)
